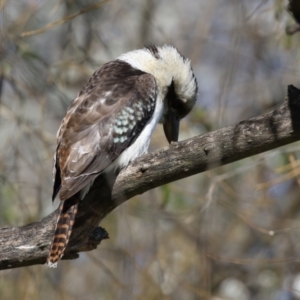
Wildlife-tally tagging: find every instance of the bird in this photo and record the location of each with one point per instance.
(111, 121)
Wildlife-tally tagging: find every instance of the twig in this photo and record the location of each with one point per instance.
(64, 20)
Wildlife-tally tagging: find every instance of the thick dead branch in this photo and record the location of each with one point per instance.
(29, 244)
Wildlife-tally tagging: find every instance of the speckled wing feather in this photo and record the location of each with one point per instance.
(106, 118)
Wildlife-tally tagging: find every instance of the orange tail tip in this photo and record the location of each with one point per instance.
(68, 210)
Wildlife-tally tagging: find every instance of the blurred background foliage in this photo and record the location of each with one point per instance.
(230, 233)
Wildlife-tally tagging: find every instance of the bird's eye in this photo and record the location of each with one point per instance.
(175, 104)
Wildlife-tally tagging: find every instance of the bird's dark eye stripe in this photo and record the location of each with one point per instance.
(175, 103)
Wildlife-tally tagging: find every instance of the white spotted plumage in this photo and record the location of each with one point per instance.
(141, 144)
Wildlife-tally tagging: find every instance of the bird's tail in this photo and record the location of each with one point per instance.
(66, 218)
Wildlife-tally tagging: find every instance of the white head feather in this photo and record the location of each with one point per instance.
(166, 64)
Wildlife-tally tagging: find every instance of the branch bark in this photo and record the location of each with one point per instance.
(28, 245)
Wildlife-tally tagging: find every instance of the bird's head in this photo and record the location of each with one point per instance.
(180, 94)
(175, 79)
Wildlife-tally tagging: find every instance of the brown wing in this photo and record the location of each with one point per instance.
(106, 117)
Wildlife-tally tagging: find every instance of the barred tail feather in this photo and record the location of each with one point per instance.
(68, 210)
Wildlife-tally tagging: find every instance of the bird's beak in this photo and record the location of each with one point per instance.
(171, 127)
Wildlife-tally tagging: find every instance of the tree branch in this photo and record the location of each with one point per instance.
(29, 244)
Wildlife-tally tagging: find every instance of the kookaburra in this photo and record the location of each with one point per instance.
(111, 121)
